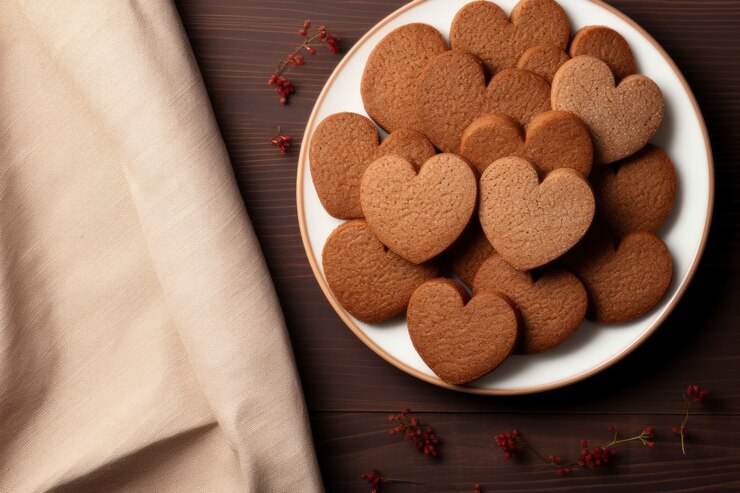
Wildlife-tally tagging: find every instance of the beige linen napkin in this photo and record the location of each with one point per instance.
(141, 344)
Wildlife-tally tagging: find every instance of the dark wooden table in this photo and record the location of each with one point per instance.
(350, 391)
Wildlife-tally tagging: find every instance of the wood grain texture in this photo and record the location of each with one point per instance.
(348, 388)
(355, 443)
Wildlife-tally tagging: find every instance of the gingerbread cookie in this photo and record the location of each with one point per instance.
(370, 282)
(469, 252)
(639, 195)
(337, 168)
(531, 223)
(460, 339)
(453, 92)
(518, 94)
(608, 46)
(621, 119)
(624, 280)
(389, 80)
(483, 29)
(543, 60)
(553, 140)
(552, 306)
(418, 215)
(408, 144)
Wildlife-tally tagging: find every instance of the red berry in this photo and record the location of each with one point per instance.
(311, 50)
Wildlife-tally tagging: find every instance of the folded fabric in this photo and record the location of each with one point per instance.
(142, 347)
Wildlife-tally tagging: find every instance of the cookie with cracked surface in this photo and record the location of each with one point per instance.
(408, 144)
(621, 118)
(369, 281)
(608, 46)
(460, 338)
(543, 60)
(636, 194)
(420, 214)
(624, 279)
(552, 140)
(528, 222)
(552, 305)
(483, 29)
(453, 93)
(389, 78)
(342, 147)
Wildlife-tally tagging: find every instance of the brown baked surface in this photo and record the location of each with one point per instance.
(389, 80)
(621, 119)
(531, 223)
(419, 215)
(624, 280)
(543, 60)
(369, 281)
(337, 168)
(469, 252)
(408, 144)
(453, 93)
(552, 307)
(639, 195)
(483, 29)
(552, 140)
(608, 46)
(458, 338)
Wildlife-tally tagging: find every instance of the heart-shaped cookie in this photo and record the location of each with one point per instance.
(639, 195)
(389, 80)
(621, 119)
(460, 340)
(543, 60)
(531, 223)
(418, 215)
(625, 280)
(453, 92)
(483, 29)
(469, 252)
(552, 307)
(608, 46)
(553, 140)
(368, 280)
(342, 147)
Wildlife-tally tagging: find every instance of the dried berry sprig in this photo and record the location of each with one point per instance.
(377, 480)
(283, 87)
(282, 142)
(424, 438)
(512, 441)
(693, 394)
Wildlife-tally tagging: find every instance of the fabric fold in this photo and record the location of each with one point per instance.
(135, 303)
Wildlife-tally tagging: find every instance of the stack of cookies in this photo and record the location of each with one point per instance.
(516, 192)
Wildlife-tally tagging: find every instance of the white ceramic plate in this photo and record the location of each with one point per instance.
(594, 347)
